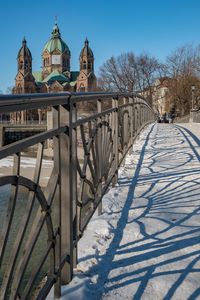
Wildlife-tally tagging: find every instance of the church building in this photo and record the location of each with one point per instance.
(56, 74)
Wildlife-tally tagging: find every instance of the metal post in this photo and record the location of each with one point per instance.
(193, 90)
(133, 111)
(39, 116)
(145, 119)
(99, 141)
(138, 118)
(115, 127)
(131, 122)
(2, 128)
(67, 188)
(57, 209)
(73, 177)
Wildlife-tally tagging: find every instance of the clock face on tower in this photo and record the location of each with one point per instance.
(56, 59)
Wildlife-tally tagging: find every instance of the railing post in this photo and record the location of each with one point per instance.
(115, 128)
(137, 118)
(100, 158)
(2, 130)
(131, 122)
(133, 112)
(57, 210)
(140, 119)
(73, 177)
(68, 173)
(145, 114)
(140, 116)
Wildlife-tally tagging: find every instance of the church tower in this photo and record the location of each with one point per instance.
(24, 81)
(56, 55)
(86, 81)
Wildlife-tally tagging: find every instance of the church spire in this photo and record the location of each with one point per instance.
(24, 81)
(24, 58)
(56, 31)
(86, 80)
(24, 42)
(86, 42)
(86, 58)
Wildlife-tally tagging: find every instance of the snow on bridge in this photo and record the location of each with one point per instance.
(146, 244)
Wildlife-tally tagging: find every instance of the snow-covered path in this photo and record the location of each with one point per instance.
(146, 245)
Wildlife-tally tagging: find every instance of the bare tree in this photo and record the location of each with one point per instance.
(183, 66)
(130, 73)
(149, 69)
(9, 90)
(116, 74)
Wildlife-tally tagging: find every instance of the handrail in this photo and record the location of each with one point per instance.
(87, 153)
(10, 103)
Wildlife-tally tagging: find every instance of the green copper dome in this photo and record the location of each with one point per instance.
(56, 42)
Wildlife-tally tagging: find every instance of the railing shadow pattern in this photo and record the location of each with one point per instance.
(163, 260)
(42, 223)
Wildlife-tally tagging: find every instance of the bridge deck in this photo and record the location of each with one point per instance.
(147, 240)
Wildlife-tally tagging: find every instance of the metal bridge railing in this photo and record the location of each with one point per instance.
(42, 224)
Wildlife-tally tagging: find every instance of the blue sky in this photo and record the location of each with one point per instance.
(112, 27)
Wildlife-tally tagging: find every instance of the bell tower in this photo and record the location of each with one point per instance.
(86, 80)
(24, 81)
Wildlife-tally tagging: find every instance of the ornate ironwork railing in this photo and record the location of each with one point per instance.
(41, 222)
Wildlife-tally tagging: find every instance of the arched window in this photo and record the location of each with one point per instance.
(19, 88)
(84, 65)
(82, 88)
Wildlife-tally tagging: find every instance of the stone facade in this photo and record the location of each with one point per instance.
(56, 75)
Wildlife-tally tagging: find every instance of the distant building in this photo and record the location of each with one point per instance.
(55, 76)
(161, 97)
